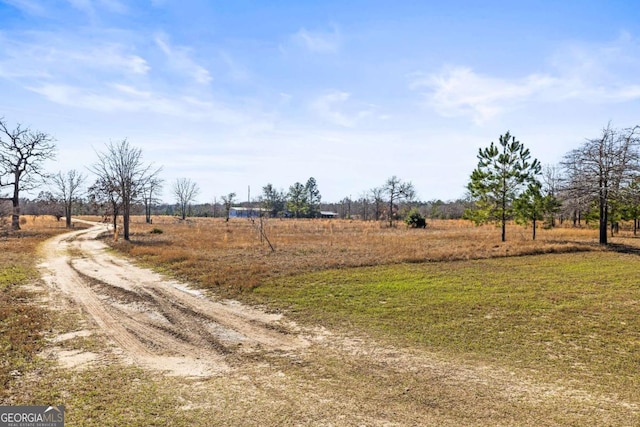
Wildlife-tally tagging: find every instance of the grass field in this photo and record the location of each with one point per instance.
(574, 317)
(560, 310)
(231, 258)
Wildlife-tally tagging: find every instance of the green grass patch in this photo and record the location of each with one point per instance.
(13, 275)
(570, 316)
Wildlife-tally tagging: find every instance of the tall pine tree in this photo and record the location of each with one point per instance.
(313, 198)
(504, 171)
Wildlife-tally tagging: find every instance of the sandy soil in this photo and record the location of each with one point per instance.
(155, 322)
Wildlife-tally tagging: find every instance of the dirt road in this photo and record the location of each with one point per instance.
(155, 322)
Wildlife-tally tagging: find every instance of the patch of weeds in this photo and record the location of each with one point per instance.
(21, 326)
(12, 275)
(114, 395)
(90, 343)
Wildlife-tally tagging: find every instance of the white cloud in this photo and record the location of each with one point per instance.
(40, 55)
(117, 98)
(326, 106)
(180, 59)
(595, 74)
(136, 64)
(318, 41)
(459, 91)
(108, 57)
(130, 90)
(602, 73)
(599, 62)
(338, 108)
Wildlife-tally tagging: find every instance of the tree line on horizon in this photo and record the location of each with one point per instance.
(597, 181)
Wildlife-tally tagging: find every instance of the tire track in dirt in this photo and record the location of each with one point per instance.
(155, 322)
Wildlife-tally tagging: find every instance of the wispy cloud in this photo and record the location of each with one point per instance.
(617, 60)
(459, 91)
(118, 98)
(319, 41)
(41, 55)
(180, 59)
(109, 76)
(327, 106)
(594, 74)
(335, 107)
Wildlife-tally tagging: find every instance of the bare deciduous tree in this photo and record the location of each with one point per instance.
(363, 203)
(67, 189)
(397, 190)
(46, 203)
(104, 192)
(602, 166)
(551, 186)
(377, 194)
(23, 153)
(575, 198)
(122, 173)
(150, 195)
(185, 192)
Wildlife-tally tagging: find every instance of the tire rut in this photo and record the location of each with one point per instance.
(156, 322)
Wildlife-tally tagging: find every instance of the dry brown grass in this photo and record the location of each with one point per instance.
(230, 257)
(21, 320)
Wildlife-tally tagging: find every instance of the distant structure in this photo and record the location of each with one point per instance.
(328, 214)
(240, 212)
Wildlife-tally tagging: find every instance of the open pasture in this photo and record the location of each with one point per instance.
(231, 257)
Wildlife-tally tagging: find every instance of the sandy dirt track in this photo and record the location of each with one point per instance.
(155, 322)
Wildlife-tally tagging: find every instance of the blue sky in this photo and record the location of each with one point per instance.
(234, 94)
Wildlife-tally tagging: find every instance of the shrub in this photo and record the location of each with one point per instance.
(414, 219)
(156, 231)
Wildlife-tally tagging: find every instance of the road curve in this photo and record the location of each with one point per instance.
(157, 322)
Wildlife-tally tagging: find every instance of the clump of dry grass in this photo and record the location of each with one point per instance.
(230, 256)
